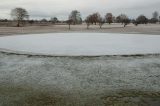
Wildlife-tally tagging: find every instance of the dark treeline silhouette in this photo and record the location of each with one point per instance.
(20, 17)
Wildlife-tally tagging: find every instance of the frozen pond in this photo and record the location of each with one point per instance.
(82, 44)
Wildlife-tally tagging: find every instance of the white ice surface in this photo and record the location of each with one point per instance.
(83, 43)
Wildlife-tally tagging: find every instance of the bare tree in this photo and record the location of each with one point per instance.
(154, 18)
(141, 20)
(118, 19)
(126, 21)
(109, 18)
(75, 16)
(95, 18)
(101, 22)
(69, 22)
(54, 20)
(123, 19)
(44, 21)
(19, 14)
(155, 15)
(88, 21)
(31, 22)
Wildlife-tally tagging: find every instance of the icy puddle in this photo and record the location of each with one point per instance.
(82, 44)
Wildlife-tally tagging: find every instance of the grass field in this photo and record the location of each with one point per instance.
(113, 28)
(79, 81)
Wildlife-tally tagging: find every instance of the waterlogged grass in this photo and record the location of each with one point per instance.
(133, 98)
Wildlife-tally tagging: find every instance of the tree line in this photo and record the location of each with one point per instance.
(21, 15)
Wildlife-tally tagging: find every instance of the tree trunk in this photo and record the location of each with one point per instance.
(87, 26)
(18, 23)
(69, 26)
(100, 26)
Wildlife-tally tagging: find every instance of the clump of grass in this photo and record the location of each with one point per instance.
(40, 99)
(133, 98)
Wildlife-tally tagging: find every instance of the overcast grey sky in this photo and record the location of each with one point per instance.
(62, 8)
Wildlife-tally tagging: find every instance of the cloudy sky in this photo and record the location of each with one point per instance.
(61, 8)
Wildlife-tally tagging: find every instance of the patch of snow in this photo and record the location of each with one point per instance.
(83, 43)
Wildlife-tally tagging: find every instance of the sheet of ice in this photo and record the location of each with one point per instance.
(83, 43)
